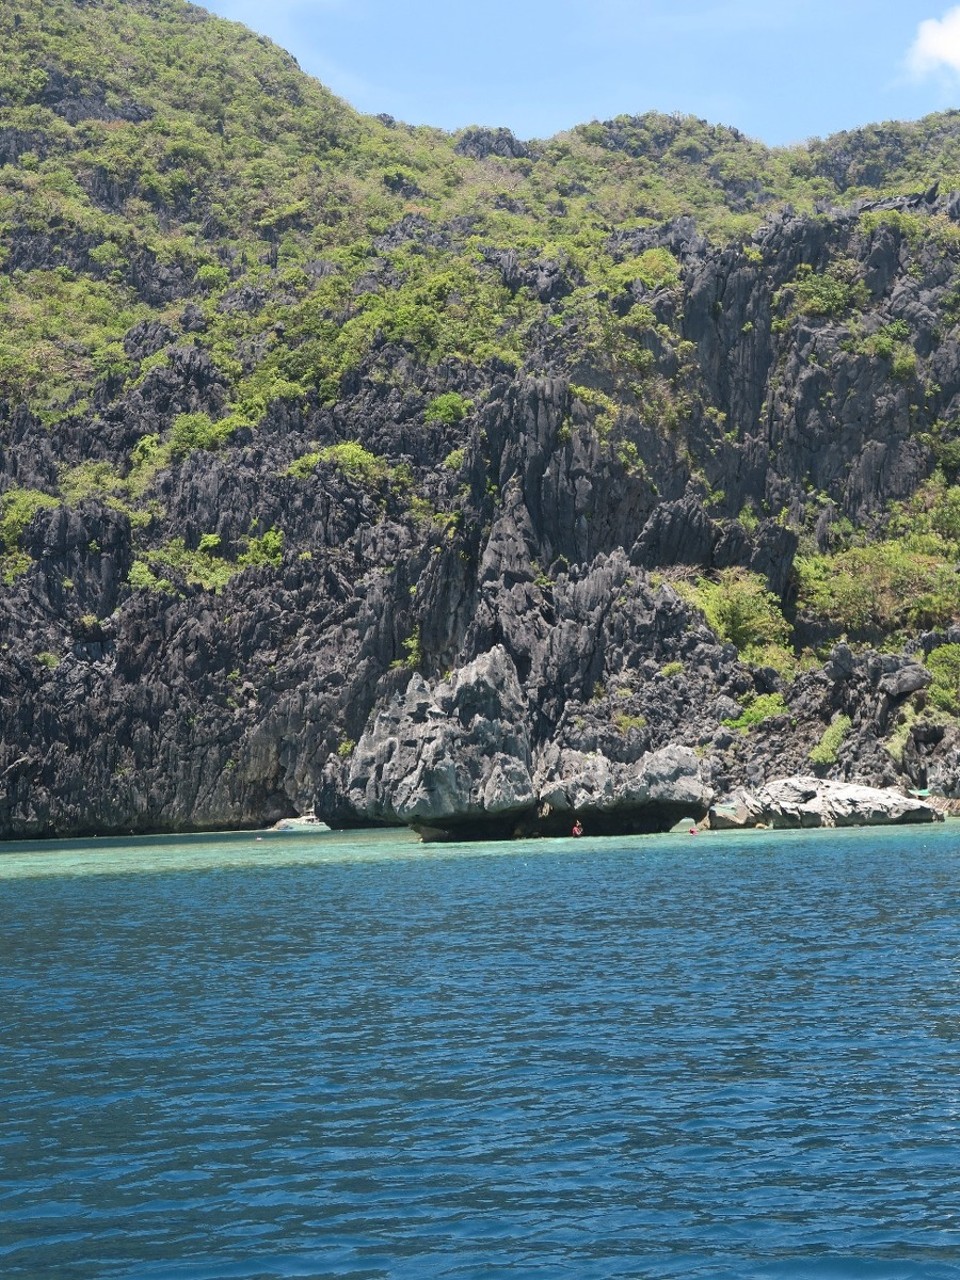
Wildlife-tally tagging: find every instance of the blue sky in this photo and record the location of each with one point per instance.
(779, 70)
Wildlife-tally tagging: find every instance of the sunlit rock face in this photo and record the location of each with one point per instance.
(819, 802)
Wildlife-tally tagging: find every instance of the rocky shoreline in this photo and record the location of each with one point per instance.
(788, 803)
(456, 760)
(408, 515)
(606, 695)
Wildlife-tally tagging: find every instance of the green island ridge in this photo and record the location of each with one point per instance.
(456, 480)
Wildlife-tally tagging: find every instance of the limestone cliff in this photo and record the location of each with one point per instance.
(298, 452)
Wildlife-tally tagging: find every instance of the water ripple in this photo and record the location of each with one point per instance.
(351, 1058)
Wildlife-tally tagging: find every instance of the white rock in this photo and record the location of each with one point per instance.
(575, 781)
(803, 801)
(454, 753)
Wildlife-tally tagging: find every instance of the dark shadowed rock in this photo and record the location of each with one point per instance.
(908, 679)
(478, 143)
(482, 602)
(676, 533)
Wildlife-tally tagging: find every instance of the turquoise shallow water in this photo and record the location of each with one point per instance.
(358, 1057)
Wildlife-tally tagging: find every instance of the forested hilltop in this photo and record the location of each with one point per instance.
(349, 463)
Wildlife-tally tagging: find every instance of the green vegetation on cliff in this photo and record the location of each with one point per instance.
(156, 154)
(169, 174)
(297, 402)
(902, 581)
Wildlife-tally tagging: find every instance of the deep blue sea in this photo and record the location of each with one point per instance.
(317, 1056)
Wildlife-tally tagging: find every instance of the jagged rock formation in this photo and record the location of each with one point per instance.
(316, 463)
(454, 758)
(653, 794)
(456, 761)
(817, 802)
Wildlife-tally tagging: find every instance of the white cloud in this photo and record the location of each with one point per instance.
(937, 45)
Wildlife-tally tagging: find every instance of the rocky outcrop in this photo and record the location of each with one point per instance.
(448, 760)
(478, 143)
(69, 97)
(609, 797)
(492, 607)
(456, 761)
(818, 802)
